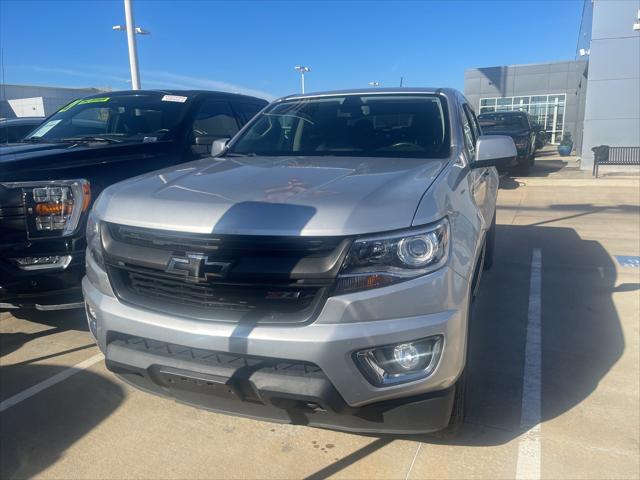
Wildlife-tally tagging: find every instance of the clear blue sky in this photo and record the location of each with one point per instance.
(253, 46)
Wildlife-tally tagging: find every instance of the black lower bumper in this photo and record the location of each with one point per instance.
(267, 389)
(42, 289)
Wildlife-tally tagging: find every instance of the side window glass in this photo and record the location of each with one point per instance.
(215, 119)
(469, 140)
(475, 127)
(247, 110)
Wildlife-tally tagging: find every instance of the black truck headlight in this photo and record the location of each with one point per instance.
(401, 362)
(94, 241)
(53, 208)
(377, 261)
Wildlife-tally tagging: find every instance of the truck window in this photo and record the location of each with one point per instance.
(475, 128)
(247, 110)
(215, 119)
(469, 140)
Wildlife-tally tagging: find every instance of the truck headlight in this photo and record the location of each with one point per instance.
(94, 241)
(382, 260)
(53, 208)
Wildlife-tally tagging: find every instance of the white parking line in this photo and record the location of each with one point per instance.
(528, 467)
(39, 387)
(413, 461)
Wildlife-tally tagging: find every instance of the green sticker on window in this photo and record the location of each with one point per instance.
(94, 100)
(84, 102)
(72, 104)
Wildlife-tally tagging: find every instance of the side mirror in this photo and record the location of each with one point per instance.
(218, 147)
(494, 151)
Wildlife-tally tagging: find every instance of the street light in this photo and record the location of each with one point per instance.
(374, 84)
(131, 42)
(302, 70)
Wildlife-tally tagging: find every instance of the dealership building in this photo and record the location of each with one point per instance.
(595, 97)
(36, 101)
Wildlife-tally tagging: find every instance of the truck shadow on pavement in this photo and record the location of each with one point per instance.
(59, 320)
(511, 179)
(36, 432)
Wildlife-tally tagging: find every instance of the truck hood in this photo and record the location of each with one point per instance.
(37, 159)
(274, 195)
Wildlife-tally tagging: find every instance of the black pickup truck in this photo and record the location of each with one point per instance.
(521, 127)
(49, 180)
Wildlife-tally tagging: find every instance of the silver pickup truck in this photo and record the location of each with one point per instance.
(319, 269)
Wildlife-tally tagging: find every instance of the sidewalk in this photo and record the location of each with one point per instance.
(553, 170)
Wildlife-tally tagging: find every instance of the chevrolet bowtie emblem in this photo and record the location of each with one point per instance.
(196, 267)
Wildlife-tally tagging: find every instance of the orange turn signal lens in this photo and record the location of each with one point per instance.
(86, 190)
(54, 208)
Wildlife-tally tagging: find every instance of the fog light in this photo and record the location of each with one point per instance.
(40, 263)
(399, 363)
(92, 319)
(407, 356)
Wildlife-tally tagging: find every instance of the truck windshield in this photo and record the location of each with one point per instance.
(380, 125)
(502, 122)
(121, 118)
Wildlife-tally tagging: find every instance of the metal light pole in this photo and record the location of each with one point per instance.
(374, 84)
(132, 30)
(302, 70)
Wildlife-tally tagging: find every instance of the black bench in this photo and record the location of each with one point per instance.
(606, 155)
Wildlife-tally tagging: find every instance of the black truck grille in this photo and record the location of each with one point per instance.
(198, 242)
(281, 280)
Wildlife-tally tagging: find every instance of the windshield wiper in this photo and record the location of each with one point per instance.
(89, 138)
(36, 140)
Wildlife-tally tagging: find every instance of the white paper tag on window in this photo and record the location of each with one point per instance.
(174, 98)
(45, 128)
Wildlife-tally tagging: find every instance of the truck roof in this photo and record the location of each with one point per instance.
(184, 93)
(369, 91)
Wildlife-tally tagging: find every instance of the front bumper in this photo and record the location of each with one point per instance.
(46, 289)
(336, 396)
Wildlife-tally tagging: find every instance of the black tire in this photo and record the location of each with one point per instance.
(523, 167)
(490, 245)
(458, 409)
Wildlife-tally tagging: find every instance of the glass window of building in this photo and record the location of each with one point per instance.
(547, 110)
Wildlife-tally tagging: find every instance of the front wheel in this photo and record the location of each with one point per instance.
(523, 167)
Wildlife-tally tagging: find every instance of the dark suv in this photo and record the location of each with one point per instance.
(517, 125)
(49, 180)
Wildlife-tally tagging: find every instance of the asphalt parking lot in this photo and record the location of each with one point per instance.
(558, 398)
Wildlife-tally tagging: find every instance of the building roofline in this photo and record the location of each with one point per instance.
(527, 64)
(23, 85)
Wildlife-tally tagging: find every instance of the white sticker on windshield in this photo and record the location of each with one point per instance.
(45, 128)
(174, 98)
